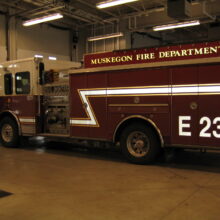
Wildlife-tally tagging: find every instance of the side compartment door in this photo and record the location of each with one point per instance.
(209, 105)
(184, 109)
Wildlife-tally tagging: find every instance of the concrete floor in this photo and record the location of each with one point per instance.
(67, 184)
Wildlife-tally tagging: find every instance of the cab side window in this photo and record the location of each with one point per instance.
(8, 82)
(22, 82)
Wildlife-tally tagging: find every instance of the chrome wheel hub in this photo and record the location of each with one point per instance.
(138, 144)
(7, 133)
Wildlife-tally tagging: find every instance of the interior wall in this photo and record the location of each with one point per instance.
(2, 39)
(107, 44)
(214, 32)
(38, 39)
(42, 39)
(81, 46)
(140, 40)
(48, 41)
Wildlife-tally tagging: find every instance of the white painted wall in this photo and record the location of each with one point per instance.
(2, 30)
(42, 39)
(2, 39)
(2, 54)
(38, 39)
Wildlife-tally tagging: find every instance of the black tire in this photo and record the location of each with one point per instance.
(140, 144)
(9, 136)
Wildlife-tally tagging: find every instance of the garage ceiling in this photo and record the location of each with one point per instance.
(140, 16)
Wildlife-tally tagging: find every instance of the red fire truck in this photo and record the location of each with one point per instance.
(143, 100)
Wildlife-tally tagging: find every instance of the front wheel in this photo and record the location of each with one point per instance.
(139, 144)
(9, 136)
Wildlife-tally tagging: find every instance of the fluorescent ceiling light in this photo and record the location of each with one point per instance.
(43, 19)
(38, 56)
(101, 37)
(12, 66)
(176, 25)
(52, 58)
(111, 3)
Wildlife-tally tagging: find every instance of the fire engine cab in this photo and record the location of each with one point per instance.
(34, 98)
(144, 100)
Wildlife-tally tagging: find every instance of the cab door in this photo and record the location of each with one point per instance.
(5, 104)
(184, 110)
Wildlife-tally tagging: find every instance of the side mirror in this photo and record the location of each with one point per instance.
(41, 74)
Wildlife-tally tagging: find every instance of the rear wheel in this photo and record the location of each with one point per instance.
(139, 144)
(9, 136)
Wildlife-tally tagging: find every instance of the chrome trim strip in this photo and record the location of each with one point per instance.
(138, 105)
(27, 120)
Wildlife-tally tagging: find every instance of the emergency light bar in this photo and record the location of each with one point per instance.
(101, 37)
(43, 19)
(176, 25)
(111, 3)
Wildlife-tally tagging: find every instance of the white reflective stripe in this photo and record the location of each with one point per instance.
(209, 89)
(91, 120)
(82, 122)
(196, 89)
(141, 91)
(151, 90)
(30, 120)
(185, 89)
(93, 92)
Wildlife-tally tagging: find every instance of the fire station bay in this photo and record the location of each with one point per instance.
(110, 110)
